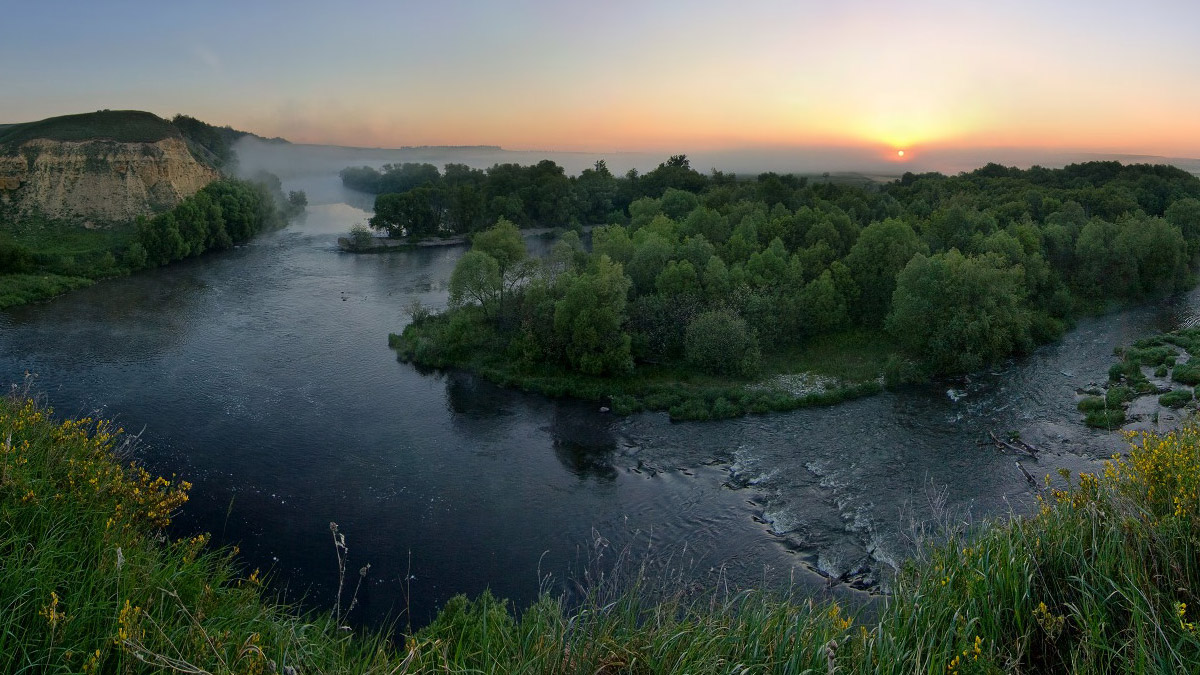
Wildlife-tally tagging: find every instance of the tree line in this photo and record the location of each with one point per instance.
(415, 199)
(221, 215)
(961, 271)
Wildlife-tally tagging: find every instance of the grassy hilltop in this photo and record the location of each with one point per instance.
(123, 126)
(1104, 578)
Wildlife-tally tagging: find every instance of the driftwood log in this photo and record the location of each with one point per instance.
(1028, 476)
(1019, 447)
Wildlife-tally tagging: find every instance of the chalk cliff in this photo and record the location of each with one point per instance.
(98, 179)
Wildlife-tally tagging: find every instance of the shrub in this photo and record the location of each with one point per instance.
(1105, 419)
(1187, 373)
(361, 237)
(1176, 399)
(719, 342)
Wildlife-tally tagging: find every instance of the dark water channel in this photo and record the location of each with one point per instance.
(263, 376)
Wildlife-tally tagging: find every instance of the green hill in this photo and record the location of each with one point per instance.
(123, 126)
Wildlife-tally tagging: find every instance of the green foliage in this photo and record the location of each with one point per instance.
(590, 317)
(361, 238)
(1187, 373)
(210, 144)
(899, 371)
(960, 312)
(1108, 418)
(1176, 398)
(15, 258)
(20, 289)
(882, 250)
(963, 271)
(409, 214)
(503, 243)
(678, 278)
(476, 279)
(614, 242)
(222, 214)
(720, 343)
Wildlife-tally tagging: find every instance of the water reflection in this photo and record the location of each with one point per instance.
(585, 446)
(473, 399)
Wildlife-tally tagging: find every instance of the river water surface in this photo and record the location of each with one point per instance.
(263, 376)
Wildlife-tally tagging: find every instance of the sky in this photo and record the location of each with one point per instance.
(671, 76)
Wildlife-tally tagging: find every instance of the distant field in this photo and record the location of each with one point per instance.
(124, 126)
(848, 178)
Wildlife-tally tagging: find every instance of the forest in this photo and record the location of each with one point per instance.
(727, 278)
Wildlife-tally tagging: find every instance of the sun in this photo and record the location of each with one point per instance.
(899, 153)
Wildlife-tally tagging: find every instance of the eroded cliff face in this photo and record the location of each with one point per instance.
(99, 180)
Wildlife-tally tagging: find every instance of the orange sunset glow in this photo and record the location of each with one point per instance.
(676, 76)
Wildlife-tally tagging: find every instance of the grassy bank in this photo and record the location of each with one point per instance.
(834, 368)
(1103, 578)
(47, 258)
(87, 584)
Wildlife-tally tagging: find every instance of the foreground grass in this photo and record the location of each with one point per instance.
(836, 368)
(1103, 578)
(88, 585)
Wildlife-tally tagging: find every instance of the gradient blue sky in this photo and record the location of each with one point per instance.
(1093, 76)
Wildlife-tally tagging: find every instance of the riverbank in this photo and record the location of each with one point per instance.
(1102, 578)
(391, 244)
(42, 258)
(830, 370)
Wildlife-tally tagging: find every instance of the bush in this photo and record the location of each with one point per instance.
(1187, 373)
(1105, 419)
(1117, 396)
(361, 237)
(899, 371)
(1176, 399)
(718, 342)
(1151, 356)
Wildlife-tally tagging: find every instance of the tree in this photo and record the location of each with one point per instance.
(17, 259)
(707, 223)
(649, 258)
(719, 342)
(960, 313)
(612, 241)
(589, 317)
(1102, 268)
(1185, 214)
(503, 244)
(822, 307)
(476, 279)
(678, 278)
(1158, 251)
(882, 250)
(595, 192)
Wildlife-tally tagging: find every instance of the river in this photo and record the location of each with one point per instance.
(262, 375)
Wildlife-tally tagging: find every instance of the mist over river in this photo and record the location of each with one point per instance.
(263, 376)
